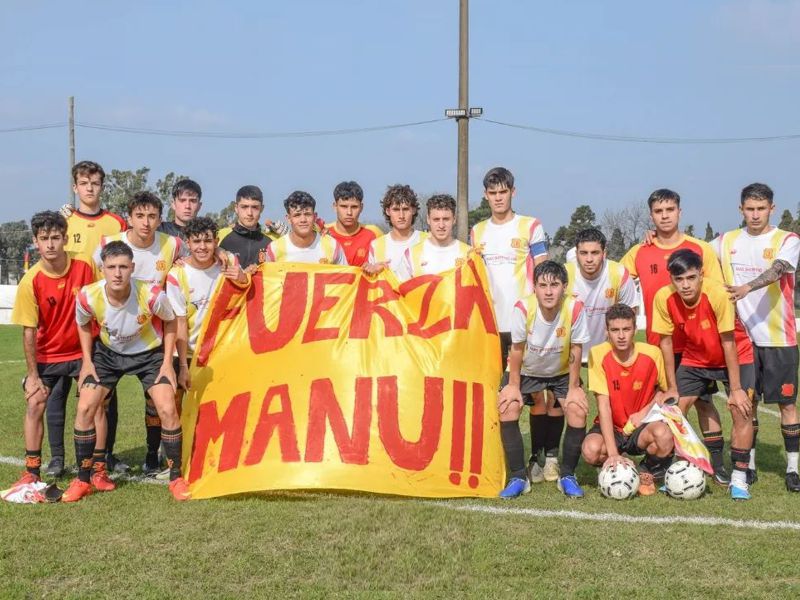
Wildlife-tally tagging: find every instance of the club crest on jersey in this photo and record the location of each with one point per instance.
(161, 265)
(76, 290)
(324, 261)
(705, 324)
(637, 385)
(459, 262)
(517, 243)
(361, 252)
(769, 253)
(141, 319)
(561, 331)
(62, 285)
(610, 293)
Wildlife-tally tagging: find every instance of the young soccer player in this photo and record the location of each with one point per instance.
(189, 290)
(627, 378)
(355, 238)
(758, 263)
(137, 337)
(303, 243)
(154, 254)
(186, 203)
(648, 263)
(511, 246)
(439, 251)
(716, 348)
(245, 239)
(400, 206)
(45, 307)
(547, 332)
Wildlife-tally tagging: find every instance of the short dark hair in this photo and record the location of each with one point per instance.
(87, 167)
(684, 260)
(399, 195)
(498, 177)
(347, 190)
(441, 202)
(187, 185)
(592, 234)
(199, 225)
(551, 268)
(757, 191)
(663, 195)
(299, 199)
(115, 248)
(48, 220)
(620, 311)
(145, 198)
(250, 192)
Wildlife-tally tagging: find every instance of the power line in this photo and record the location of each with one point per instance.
(252, 135)
(643, 140)
(33, 127)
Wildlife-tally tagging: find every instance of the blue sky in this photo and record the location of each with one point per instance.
(679, 69)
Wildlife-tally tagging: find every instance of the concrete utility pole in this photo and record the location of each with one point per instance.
(71, 104)
(462, 114)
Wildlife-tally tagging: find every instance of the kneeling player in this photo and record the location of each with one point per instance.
(547, 332)
(627, 378)
(716, 349)
(137, 337)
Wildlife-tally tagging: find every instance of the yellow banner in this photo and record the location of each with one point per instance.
(321, 377)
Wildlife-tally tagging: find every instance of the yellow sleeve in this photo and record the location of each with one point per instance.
(597, 376)
(711, 266)
(26, 310)
(662, 321)
(629, 260)
(662, 371)
(722, 307)
(223, 233)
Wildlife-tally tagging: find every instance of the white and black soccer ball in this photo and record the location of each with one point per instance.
(620, 482)
(685, 480)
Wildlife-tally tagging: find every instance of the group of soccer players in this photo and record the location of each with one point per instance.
(111, 297)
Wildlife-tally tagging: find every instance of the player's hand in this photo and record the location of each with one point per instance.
(168, 371)
(179, 262)
(739, 400)
(320, 225)
(507, 396)
(375, 268)
(223, 257)
(184, 378)
(279, 228)
(234, 272)
(33, 386)
(86, 370)
(578, 396)
(66, 210)
(636, 418)
(737, 292)
(251, 269)
(649, 237)
(614, 461)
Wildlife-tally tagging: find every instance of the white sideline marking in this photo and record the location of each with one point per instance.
(8, 362)
(620, 518)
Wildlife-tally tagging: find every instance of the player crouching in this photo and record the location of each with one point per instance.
(627, 379)
(137, 337)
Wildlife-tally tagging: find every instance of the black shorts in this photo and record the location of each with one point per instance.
(559, 385)
(111, 366)
(695, 381)
(706, 395)
(505, 347)
(50, 373)
(776, 374)
(626, 444)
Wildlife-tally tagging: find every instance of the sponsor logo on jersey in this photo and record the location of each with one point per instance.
(769, 253)
(624, 373)
(90, 225)
(62, 285)
(161, 265)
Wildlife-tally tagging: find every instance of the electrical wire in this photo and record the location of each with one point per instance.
(33, 127)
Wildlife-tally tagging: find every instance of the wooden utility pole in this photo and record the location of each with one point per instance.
(71, 109)
(462, 185)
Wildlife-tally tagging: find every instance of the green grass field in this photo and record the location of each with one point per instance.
(137, 542)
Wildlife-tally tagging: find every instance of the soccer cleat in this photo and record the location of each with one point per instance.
(793, 481)
(55, 468)
(180, 489)
(77, 489)
(163, 475)
(569, 486)
(721, 476)
(739, 492)
(516, 487)
(647, 484)
(752, 476)
(102, 482)
(551, 471)
(26, 478)
(151, 466)
(116, 465)
(535, 473)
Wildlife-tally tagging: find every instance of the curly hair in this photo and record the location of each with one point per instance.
(399, 195)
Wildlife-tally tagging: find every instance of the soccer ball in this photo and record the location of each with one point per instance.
(685, 480)
(620, 482)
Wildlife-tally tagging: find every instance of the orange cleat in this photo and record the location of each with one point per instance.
(101, 481)
(647, 484)
(26, 478)
(180, 489)
(77, 489)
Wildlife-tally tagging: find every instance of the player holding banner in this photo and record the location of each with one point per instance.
(716, 349)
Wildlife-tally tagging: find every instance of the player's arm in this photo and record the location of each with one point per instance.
(510, 392)
(182, 343)
(538, 244)
(575, 392)
(607, 431)
(737, 398)
(778, 268)
(86, 340)
(33, 383)
(668, 354)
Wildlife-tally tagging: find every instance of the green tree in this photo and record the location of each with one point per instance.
(120, 186)
(479, 213)
(163, 190)
(689, 230)
(787, 221)
(709, 233)
(582, 218)
(15, 238)
(616, 248)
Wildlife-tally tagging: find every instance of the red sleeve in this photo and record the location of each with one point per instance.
(576, 310)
